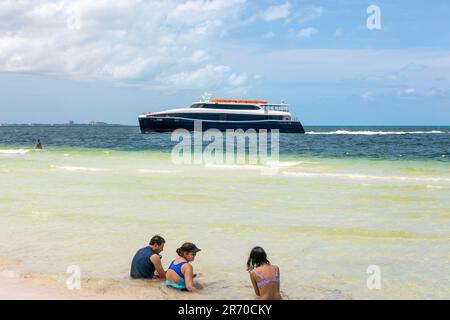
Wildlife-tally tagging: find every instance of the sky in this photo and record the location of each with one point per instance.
(336, 62)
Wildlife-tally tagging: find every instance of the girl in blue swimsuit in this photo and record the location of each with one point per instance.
(264, 276)
(180, 274)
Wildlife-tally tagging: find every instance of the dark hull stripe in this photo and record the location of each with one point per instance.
(167, 124)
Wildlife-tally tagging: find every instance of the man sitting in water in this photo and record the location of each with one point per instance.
(39, 144)
(147, 260)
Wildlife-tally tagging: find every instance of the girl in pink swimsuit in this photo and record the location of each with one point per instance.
(264, 276)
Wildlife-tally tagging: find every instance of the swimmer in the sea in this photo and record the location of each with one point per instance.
(39, 144)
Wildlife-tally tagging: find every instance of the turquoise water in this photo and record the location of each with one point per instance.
(334, 204)
(411, 143)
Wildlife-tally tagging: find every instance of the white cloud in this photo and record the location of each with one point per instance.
(367, 95)
(307, 32)
(432, 92)
(339, 32)
(310, 13)
(197, 78)
(155, 44)
(238, 80)
(362, 70)
(273, 13)
(406, 92)
(268, 35)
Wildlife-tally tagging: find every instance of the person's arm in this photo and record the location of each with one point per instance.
(189, 277)
(156, 260)
(255, 286)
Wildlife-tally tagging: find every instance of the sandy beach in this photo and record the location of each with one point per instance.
(17, 286)
(17, 282)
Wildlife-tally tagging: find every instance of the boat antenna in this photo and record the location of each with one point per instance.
(206, 96)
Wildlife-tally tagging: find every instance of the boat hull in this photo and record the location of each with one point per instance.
(169, 124)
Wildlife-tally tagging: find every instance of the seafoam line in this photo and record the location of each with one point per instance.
(234, 166)
(70, 168)
(156, 171)
(370, 133)
(364, 176)
(14, 151)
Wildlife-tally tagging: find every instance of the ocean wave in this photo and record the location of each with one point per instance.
(265, 170)
(284, 163)
(437, 187)
(364, 176)
(234, 166)
(269, 165)
(371, 133)
(14, 151)
(68, 168)
(156, 171)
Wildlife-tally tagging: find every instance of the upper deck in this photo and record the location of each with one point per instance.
(241, 105)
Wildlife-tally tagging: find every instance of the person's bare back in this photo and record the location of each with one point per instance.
(265, 277)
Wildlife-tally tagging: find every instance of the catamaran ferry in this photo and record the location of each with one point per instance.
(223, 114)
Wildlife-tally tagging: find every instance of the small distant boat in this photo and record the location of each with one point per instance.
(223, 114)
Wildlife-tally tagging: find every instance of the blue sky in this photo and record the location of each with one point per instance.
(110, 60)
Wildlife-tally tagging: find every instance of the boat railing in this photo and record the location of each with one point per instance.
(276, 107)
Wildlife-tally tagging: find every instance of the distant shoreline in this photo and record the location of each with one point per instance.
(64, 125)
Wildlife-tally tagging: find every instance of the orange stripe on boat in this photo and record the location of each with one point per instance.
(239, 101)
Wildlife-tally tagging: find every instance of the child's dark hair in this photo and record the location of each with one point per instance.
(157, 240)
(257, 257)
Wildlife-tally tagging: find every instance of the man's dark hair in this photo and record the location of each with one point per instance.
(157, 240)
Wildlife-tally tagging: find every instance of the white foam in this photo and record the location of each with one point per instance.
(14, 151)
(264, 170)
(371, 133)
(437, 187)
(155, 171)
(40, 214)
(234, 166)
(284, 163)
(364, 176)
(270, 167)
(67, 168)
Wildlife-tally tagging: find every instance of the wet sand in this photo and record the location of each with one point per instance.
(16, 287)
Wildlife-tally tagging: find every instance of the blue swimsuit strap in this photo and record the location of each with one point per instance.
(177, 268)
(264, 280)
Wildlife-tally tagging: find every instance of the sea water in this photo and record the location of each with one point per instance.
(338, 202)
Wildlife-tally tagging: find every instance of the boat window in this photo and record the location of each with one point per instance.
(231, 106)
(197, 105)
